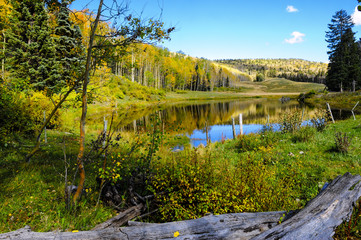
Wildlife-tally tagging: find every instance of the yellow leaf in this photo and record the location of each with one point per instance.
(176, 234)
(75, 231)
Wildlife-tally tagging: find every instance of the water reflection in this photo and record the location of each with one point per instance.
(196, 119)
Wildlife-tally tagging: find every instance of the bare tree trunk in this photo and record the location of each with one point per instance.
(80, 158)
(132, 66)
(3, 61)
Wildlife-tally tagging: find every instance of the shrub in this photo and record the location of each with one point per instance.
(304, 96)
(320, 120)
(260, 77)
(249, 142)
(304, 134)
(291, 121)
(38, 103)
(197, 184)
(342, 142)
(15, 114)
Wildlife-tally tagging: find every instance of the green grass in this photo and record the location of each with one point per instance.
(279, 85)
(346, 100)
(226, 176)
(33, 193)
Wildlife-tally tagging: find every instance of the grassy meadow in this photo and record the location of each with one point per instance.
(258, 172)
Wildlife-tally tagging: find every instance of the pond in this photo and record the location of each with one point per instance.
(212, 120)
(196, 119)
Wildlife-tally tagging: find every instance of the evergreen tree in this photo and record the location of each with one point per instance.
(344, 68)
(340, 22)
(70, 53)
(344, 71)
(30, 46)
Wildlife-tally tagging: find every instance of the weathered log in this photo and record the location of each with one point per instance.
(226, 226)
(121, 219)
(319, 218)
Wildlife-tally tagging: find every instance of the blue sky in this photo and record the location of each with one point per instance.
(225, 29)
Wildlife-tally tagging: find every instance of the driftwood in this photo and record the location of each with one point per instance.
(121, 218)
(226, 226)
(317, 220)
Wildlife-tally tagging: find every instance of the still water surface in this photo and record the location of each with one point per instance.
(196, 119)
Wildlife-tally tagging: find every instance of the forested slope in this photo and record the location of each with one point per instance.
(292, 69)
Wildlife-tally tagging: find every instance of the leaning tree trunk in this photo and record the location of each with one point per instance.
(80, 158)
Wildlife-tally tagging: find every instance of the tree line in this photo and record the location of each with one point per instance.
(44, 48)
(157, 67)
(293, 69)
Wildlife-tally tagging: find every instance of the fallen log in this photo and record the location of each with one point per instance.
(226, 226)
(317, 220)
(122, 218)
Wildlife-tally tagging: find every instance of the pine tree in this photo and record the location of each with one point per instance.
(340, 22)
(344, 70)
(70, 53)
(31, 47)
(344, 55)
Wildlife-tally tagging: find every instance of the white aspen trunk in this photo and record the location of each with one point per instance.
(132, 66)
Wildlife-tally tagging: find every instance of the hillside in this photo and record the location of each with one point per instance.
(292, 69)
(157, 67)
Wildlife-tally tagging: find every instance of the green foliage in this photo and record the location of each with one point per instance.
(22, 114)
(291, 121)
(344, 72)
(342, 142)
(70, 54)
(136, 91)
(197, 184)
(304, 134)
(252, 142)
(340, 23)
(15, 114)
(38, 103)
(292, 69)
(278, 174)
(350, 229)
(260, 77)
(31, 47)
(310, 94)
(320, 120)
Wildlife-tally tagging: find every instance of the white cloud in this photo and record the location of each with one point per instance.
(291, 9)
(356, 17)
(297, 37)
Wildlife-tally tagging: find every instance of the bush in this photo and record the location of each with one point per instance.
(38, 103)
(304, 96)
(198, 184)
(291, 121)
(249, 142)
(253, 142)
(304, 134)
(320, 120)
(342, 142)
(15, 114)
(260, 77)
